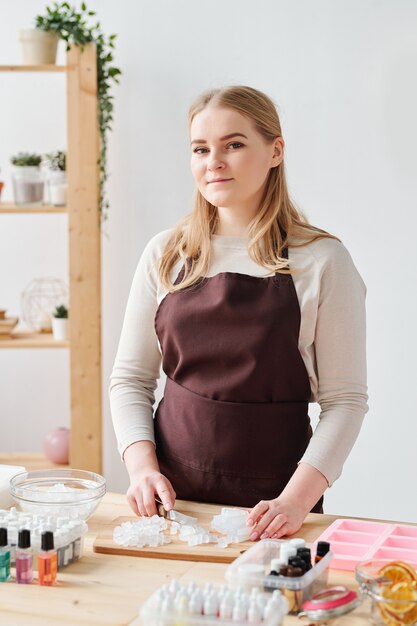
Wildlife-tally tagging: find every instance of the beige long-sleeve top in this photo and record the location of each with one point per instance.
(332, 343)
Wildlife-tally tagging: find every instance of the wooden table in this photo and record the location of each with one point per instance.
(103, 589)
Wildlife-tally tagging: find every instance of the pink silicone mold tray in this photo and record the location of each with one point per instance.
(353, 541)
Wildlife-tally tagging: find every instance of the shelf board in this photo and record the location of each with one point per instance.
(33, 68)
(31, 460)
(21, 339)
(10, 207)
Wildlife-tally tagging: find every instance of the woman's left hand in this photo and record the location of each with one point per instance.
(276, 518)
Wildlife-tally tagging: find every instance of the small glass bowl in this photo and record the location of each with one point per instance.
(390, 611)
(367, 573)
(59, 492)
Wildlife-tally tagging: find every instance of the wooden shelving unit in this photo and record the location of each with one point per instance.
(20, 339)
(31, 460)
(10, 207)
(33, 68)
(83, 153)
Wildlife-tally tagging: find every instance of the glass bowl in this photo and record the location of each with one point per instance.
(367, 572)
(393, 603)
(59, 492)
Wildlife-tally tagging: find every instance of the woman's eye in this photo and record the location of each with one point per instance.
(234, 143)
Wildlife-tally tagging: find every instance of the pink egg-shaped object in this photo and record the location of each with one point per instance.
(56, 445)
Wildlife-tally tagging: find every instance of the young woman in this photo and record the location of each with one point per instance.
(253, 313)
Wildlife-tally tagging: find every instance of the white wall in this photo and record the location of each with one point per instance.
(342, 74)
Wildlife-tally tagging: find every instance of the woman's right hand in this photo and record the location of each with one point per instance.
(146, 481)
(144, 487)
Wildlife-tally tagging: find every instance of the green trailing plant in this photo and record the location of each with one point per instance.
(61, 312)
(56, 161)
(72, 26)
(23, 159)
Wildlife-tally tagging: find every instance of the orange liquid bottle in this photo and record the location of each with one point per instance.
(47, 560)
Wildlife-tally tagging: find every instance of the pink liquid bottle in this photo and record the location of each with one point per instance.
(24, 558)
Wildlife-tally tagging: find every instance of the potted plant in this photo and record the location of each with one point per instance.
(57, 177)
(60, 324)
(27, 179)
(38, 46)
(79, 27)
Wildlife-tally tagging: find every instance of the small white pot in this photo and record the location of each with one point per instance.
(38, 46)
(60, 328)
(57, 188)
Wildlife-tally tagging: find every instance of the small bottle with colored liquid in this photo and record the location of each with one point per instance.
(323, 548)
(24, 558)
(47, 560)
(4, 556)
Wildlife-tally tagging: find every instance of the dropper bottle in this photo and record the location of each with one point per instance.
(4, 556)
(47, 560)
(24, 558)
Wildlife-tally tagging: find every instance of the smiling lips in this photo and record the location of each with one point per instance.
(220, 180)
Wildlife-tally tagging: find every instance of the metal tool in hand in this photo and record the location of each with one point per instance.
(174, 516)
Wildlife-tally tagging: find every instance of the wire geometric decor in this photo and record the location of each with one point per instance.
(39, 300)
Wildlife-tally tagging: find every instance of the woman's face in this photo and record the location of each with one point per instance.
(225, 145)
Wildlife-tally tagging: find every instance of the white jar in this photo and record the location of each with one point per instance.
(57, 188)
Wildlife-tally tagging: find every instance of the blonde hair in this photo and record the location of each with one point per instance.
(277, 220)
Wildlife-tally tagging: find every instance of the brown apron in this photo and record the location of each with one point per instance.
(233, 422)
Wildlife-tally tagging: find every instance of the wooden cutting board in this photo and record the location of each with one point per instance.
(179, 550)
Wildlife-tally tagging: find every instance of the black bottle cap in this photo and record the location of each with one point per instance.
(304, 553)
(296, 561)
(24, 539)
(322, 548)
(3, 537)
(47, 540)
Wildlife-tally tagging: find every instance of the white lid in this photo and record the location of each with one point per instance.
(276, 564)
(287, 551)
(248, 569)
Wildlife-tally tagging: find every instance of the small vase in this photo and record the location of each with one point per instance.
(38, 46)
(60, 328)
(28, 185)
(56, 446)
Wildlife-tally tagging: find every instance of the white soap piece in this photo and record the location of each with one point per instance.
(194, 540)
(227, 512)
(232, 523)
(6, 473)
(222, 543)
